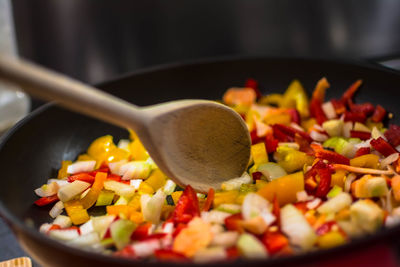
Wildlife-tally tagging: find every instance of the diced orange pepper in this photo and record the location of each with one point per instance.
(239, 96)
(365, 161)
(396, 187)
(284, 188)
(124, 210)
(135, 202)
(76, 212)
(176, 195)
(94, 192)
(136, 217)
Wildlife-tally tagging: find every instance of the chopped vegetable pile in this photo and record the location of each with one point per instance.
(321, 173)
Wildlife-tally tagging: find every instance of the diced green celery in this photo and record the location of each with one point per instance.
(105, 198)
(123, 200)
(230, 208)
(121, 231)
(271, 170)
(376, 187)
(333, 127)
(334, 191)
(246, 188)
(169, 187)
(107, 242)
(250, 247)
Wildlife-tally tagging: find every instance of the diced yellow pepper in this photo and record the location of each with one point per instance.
(176, 195)
(90, 198)
(365, 161)
(338, 178)
(330, 240)
(145, 188)
(105, 198)
(259, 153)
(135, 202)
(138, 151)
(103, 149)
(272, 99)
(136, 217)
(282, 118)
(62, 173)
(241, 109)
(240, 198)
(284, 188)
(225, 197)
(84, 157)
(296, 97)
(308, 124)
(157, 179)
(292, 160)
(76, 212)
(166, 211)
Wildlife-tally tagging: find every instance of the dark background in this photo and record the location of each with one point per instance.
(97, 40)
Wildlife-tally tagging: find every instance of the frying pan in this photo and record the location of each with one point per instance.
(31, 152)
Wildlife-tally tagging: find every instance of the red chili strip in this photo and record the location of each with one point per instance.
(325, 177)
(294, 115)
(339, 106)
(360, 134)
(379, 114)
(382, 146)
(363, 151)
(317, 112)
(256, 176)
(332, 157)
(290, 131)
(393, 135)
(349, 94)
(271, 143)
(210, 199)
(46, 200)
(366, 108)
(253, 84)
(84, 177)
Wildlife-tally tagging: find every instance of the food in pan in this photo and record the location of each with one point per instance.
(322, 172)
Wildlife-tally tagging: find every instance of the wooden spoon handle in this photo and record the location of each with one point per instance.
(75, 95)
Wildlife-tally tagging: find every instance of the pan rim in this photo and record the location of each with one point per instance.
(35, 234)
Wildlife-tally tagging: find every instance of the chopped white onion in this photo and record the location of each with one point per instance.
(63, 221)
(313, 204)
(87, 227)
(119, 188)
(329, 110)
(135, 183)
(366, 143)
(318, 127)
(47, 190)
(135, 170)
(146, 248)
(71, 190)
(261, 128)
(210, 254)
(45, 227)
(389, 160)
(347, 127)
(169, 187)
(335, 204)
(56, 210)
(116, 166)
(64, 235)
(152, 206)
(349, 179)
(296, 126)
(81, 166)
(319, 137)
(235, 183)
(168, 228)
(254, 205)
(225, 239)
(85, 240)
(214, 216)
(60, 182)
(302, 196)
(124, 144)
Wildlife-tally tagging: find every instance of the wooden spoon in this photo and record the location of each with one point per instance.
(196, 142)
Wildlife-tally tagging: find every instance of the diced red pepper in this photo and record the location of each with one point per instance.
(393, 135)
(232, 253)
(317, 112)
(169, 255)
(46, 200)
(141, 232)
(325, 177)
(332, 157)
(325, 228)
(301, 206)
(209, 201)
(294, 115)
(360, 134)
(126, 252)
(304, 145)
(54, 227)
(253, 84)
(187, 206)
(274, 241)
(379, 114)
(256, 176)
(276, 210)
(339, 106)
(178, 229)
(271, 143)
(234, 222)
(254, 137)
(156, 236)
(349, 94)
(382, 146)
(354, 117)
(290, 131)
(363, 151)
(103, 168)
(84, 177)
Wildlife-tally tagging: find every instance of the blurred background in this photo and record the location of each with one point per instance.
(95, 41)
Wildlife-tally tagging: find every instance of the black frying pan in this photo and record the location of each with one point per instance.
(32, 151)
